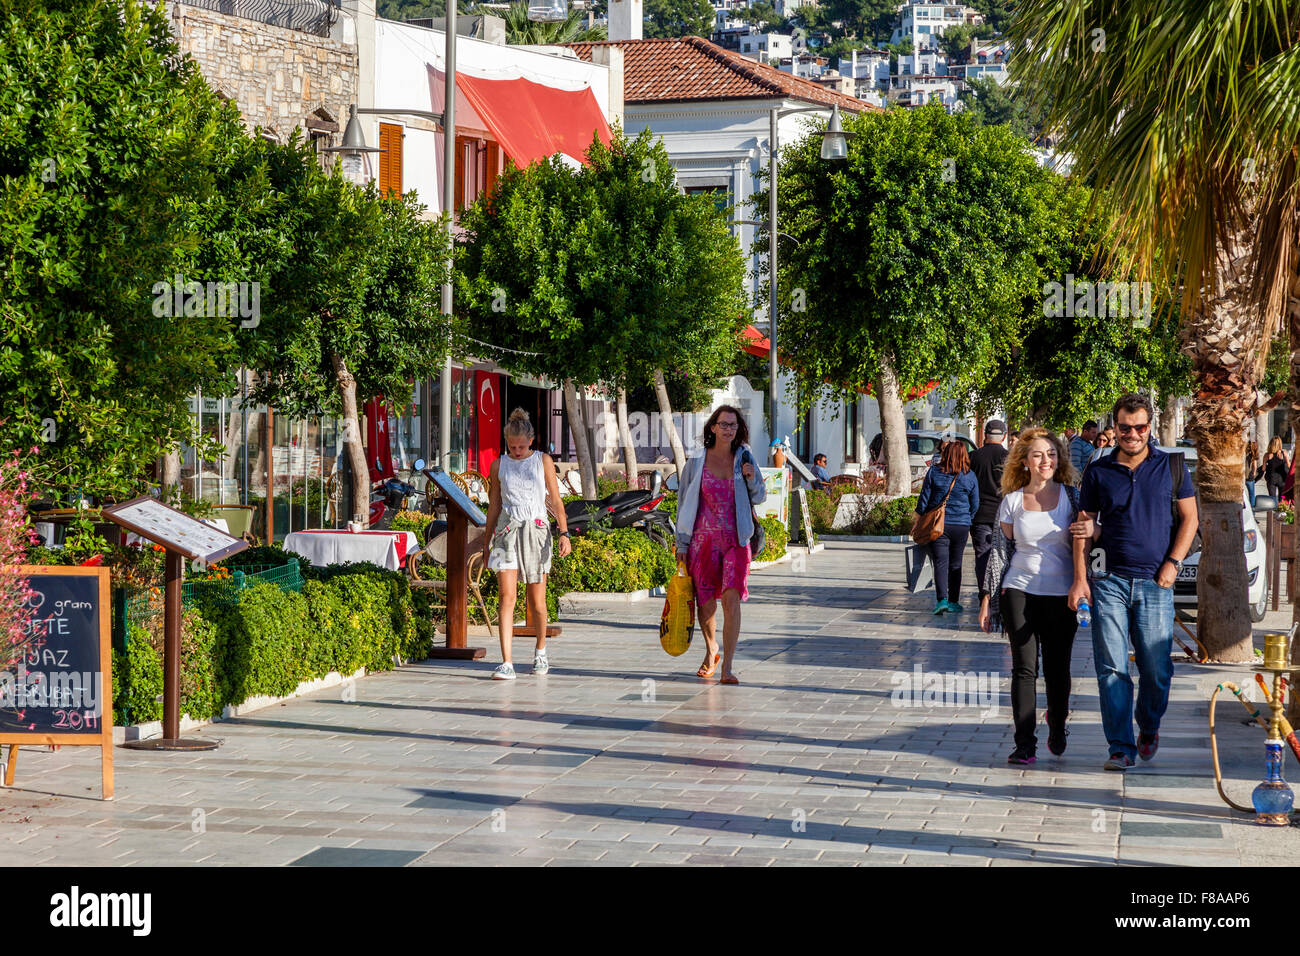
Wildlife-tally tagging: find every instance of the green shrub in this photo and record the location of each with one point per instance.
(669, 504)
(263, 555)
(415, 521)
(619, 560)
(822, 506)
(137, 680)
(777, 538)
(892, 517)
(138, 672)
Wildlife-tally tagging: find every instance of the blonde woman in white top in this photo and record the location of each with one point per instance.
(520, 540)
(1028, 582)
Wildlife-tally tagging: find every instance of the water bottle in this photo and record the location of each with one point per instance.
(1085, 614)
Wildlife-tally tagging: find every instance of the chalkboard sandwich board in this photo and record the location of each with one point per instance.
(56, 684)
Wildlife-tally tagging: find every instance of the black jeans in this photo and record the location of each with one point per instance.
(982, 536)
(946, 551)
(1036, 621)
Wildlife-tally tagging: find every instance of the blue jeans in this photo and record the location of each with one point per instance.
(1140, 612)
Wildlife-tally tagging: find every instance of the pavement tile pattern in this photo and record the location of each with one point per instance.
(865, 732)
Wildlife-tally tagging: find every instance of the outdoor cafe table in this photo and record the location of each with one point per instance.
(324, 547)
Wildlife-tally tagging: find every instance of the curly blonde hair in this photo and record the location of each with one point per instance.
(1015, 473)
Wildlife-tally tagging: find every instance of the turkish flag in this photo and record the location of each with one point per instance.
(379, 453)
(487, 392)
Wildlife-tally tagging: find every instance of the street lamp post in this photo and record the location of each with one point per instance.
(834, 146)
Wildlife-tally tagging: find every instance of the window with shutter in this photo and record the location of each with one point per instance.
(390, 160)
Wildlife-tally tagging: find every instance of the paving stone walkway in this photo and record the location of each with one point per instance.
(621, 756)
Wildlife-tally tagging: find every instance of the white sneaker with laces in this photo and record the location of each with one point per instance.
(540, 664)
(504, 671)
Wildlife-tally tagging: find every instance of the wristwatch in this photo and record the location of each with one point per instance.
(1178, 565)
(564, 534)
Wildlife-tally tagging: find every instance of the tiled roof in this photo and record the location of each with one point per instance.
(692, 68)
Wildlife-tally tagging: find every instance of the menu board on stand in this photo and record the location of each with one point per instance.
(183, 538)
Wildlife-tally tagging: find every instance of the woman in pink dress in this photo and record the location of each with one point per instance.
(715, 520)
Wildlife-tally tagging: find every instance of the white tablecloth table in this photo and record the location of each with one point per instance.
(385, 548)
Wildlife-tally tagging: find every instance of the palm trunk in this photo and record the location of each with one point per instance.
(581, 439)
(893, 425)
(1227, 341)
(625, 436)
(347, 386)
(666, 417)
(1293, 334)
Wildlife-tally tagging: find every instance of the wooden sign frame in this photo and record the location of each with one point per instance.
(461, 511)
(113, 513)
(103, 738)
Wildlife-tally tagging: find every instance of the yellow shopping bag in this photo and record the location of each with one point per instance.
(677, 625)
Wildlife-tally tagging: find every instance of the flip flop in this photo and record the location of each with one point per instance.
(730, 680)
(706, 670)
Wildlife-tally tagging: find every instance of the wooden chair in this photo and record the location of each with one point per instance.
(435, 553)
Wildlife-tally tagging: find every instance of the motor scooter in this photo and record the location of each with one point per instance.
(625, 509)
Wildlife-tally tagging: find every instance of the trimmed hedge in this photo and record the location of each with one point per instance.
(778, 536)
(619, 560)
(894, 517)
(268, 642)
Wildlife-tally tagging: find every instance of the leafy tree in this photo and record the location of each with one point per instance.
(909, 262)
(519, 29)
(1003, 104)
(109, 153)
(758, 14)
(871, 19)
(601, 276)
(678, 18)
(356, 313)
(997, 13)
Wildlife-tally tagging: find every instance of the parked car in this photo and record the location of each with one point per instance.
(923, 450)
(1254, 546)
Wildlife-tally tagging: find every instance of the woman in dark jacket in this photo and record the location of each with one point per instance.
(950, 485)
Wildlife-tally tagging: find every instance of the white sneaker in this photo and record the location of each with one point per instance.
(540, 664)
(504, 671)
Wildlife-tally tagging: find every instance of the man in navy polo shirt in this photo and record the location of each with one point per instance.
(1128, 497)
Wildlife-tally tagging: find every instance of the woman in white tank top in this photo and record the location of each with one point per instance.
(519, 541)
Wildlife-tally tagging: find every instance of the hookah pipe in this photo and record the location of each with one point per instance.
(1287, 732)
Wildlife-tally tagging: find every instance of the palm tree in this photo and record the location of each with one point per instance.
(1182, 114)
(519, 29)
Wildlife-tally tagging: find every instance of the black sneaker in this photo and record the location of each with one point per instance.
(1056, 735)
(1022, 756)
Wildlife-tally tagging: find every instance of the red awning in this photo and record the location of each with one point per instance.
(756, 343)
(532, 121)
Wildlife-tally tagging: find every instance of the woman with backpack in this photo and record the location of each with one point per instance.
(715, 522)
(1027, 581)
(952, 486)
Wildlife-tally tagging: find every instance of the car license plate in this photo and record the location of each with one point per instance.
(1187, 573)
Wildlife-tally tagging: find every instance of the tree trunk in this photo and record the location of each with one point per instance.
(666, 417)
(1227, 341)
(347, 386)
(893, 425)
(625, 436)
(581, 439)
(171, 473)
(1168, 421)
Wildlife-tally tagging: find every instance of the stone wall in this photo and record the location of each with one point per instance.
(280, 78)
